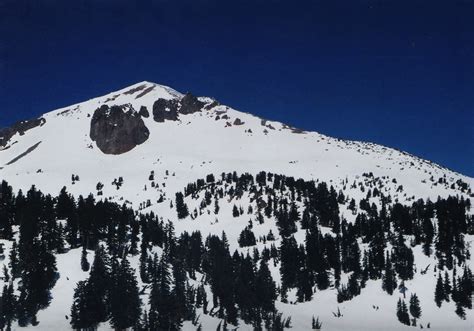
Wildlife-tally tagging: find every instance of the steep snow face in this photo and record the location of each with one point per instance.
(215, 139)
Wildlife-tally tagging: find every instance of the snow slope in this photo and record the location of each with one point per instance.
(198, 145)
(179, 152)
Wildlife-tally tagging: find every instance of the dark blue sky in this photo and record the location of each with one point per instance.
(399, 73)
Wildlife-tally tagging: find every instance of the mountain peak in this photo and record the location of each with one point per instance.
(146, 123)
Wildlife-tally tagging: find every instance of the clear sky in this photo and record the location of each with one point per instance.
(398, 73)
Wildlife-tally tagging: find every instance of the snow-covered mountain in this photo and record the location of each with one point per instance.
(214, 139)
(149, 129)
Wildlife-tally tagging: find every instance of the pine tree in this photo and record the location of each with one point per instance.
(439, 291)
(161, 307)
(285, 223)
(79, 320)
(14, 263)
(403, 259)
(289, 262)
(265, 288)
(2, 317)
(7, 210)
(415, 309)
(245, 293)
(201, 298)
(144, 274)
(446, 286)
(246, 238)
(90, 306)
(123, 298)
(8, 304)
(97, 288)
(65, 204)
(37, 279)
(389, 279)
(181, 207)
(316, 324)
(353, 286)
(6, 274)
(402, 312)
(466, 288)
(460, 310)
(84, 263)
(235, 211)
(179, 294)
(303, 278)
(135, 231)
(462, 292)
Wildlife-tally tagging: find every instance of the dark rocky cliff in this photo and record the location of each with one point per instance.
(169, 110)
(117, 130)
(19, 127)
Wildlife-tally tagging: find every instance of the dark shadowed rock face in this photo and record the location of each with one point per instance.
(144, 112)
(238, 121)
(19, 127)
(213, 104)
(165, 110)
(117, 131)
(169, 110)
(190, 104)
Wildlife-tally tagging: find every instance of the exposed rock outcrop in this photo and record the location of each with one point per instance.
(169, 110)
(144, 112)
(117, 130)
(190, 104)
(213, 104)
(165, 110)
(19, 127)
(238, 121)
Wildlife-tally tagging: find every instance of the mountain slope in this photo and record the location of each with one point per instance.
(198, 144)
(146, 142)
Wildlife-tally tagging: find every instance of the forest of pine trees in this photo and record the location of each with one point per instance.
(232, 286)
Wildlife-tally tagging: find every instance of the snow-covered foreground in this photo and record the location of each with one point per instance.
(179, 152)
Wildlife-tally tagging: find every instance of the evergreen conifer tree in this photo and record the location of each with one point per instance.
(389, 279)
(181, 207)
(402, 312)
(97, 287)
(446, 287)
(289, 262)
(415, 309)
(123, 298)
(161, 307)
(460, 310)
(84, 263)
(303, 278)
(439, 291)
(14, 263)
(235, 211)
(37, 279)
(79, 318)
(265, 288)
(8, 304)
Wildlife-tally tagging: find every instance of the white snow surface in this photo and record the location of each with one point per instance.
(198, 145)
